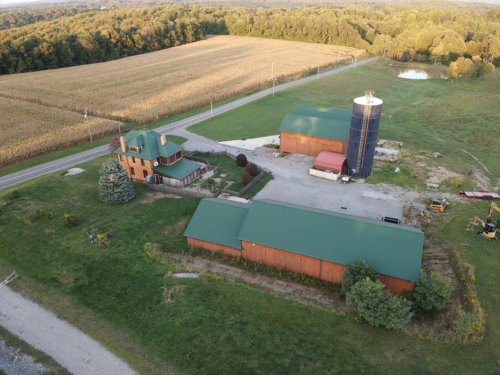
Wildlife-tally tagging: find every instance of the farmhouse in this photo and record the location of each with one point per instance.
(147, 153)
(315, 242)
(312, 130)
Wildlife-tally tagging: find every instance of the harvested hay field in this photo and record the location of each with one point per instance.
(28, 130)
(140, 89)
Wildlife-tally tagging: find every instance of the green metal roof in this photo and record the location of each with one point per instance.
(316, 126)
(335, 114)
(150, 141)
(395, 250)
(218, 221)
(179, 169)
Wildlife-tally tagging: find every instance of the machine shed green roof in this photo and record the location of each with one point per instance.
(179, 169)
(395, 250)
(315, 126)
(149, 143)
(335, 114)
(218, 221)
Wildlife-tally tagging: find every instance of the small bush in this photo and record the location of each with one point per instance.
(247, 178)
(357, 271)
(70, 221)
(43, 214)
(14, 195)
(466, 325)
(241, 160)
(433, 292)
(252, 169)
(377, 306)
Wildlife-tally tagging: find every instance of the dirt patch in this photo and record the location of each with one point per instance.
(49, 231)
(151, 197)
(291, 290)
(482, 181)
(438, 175)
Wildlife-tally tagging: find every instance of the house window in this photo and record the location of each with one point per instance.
(145, 173)
(121, 157)
(163, 160)
(132, 171)
(179, 155)
(142, 161)
(134, 149)
(133, 160)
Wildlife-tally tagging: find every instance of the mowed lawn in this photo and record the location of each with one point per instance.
(217, 326)
(425, 114)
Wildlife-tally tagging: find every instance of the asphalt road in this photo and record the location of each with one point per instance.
(70, 161)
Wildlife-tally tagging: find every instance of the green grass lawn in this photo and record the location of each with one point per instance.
(216, 326)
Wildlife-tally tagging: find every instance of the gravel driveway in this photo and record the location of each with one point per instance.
(71, 348)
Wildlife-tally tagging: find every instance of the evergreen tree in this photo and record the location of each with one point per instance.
(115, 186)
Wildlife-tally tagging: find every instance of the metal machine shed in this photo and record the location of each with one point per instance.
(330, 160)
(395, 250)
(315, 127)
(218, 221)
(334, 114)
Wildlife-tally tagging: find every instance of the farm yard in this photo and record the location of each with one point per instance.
(123, 295)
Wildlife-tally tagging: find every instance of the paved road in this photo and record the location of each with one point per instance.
(67, 162)
(71, 348)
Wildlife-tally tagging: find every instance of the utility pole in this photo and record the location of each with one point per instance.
(272, 75)
(119, 130)
(355, 60)
(318, 71)
(211, 109)
(88, 126)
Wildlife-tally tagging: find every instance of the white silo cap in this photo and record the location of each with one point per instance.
(368, 99)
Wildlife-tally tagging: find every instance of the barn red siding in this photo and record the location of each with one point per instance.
(397, 286)
(307, 145)
(324, 270)
(280, 258)
(332, 272)
(231, 251)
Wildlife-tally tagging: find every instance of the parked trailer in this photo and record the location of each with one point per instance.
(482, 194)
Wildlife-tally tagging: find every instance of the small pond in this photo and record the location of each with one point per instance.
(410, 73)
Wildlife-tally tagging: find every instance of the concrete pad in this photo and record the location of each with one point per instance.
(252, 144)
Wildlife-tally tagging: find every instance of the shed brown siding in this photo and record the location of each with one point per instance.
(280, 258)
(332, 272)
(397, 286)
(307, 145)
(231, 251)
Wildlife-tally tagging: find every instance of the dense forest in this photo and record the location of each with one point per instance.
(61, 36)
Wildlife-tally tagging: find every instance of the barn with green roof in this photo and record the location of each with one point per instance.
(311, 130)
(315, 242)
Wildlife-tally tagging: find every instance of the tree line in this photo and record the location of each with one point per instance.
(75, 35)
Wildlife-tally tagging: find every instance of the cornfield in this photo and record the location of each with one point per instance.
(42, 111)
(28, 130)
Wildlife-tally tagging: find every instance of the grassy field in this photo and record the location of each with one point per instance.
(430, 115)
(214, 326)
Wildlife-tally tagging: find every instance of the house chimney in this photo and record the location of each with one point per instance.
(123, 143)
(163, 140)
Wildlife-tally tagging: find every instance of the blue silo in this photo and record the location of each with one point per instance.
(363, 135)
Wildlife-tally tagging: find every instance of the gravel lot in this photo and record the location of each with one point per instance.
(12, 362)
(292, 184)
